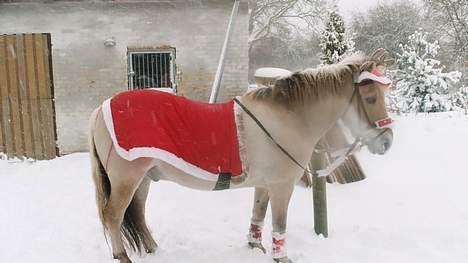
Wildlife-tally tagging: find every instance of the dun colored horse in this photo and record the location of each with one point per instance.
(276, 129)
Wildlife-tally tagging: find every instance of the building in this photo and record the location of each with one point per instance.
(99, 48)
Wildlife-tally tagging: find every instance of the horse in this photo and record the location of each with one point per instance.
(349, 170)
(275, 130)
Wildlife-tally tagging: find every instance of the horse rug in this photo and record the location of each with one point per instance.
(198, 138)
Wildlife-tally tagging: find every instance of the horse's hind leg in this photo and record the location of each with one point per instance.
(137, 208)
(113, 215)
(125, 178)
(260, 207)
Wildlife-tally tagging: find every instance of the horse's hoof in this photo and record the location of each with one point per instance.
(257, 245)
(122, 258)
(282, 260)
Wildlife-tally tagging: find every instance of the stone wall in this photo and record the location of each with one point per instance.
(86, 72)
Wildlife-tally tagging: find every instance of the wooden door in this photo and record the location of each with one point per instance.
(27, 112)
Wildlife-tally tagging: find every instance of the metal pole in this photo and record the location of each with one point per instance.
(220, 70)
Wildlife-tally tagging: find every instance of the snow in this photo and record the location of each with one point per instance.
(271, 72)
(411, 208)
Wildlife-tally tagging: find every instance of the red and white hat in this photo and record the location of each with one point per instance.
(375, 75)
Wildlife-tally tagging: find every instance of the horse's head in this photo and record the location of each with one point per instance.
(369, 120)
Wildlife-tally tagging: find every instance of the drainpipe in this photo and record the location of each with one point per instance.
(220, 70)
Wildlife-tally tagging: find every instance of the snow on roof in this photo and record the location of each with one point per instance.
(271, 72)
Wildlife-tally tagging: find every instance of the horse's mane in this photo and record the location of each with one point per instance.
(311, 84)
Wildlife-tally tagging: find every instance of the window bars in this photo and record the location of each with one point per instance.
(151, 69)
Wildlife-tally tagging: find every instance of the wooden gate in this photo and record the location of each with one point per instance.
(27, 112)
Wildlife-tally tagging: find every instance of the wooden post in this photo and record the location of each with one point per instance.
(319, 161)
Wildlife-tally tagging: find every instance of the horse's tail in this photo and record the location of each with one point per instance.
(132, 229)
(101, 180)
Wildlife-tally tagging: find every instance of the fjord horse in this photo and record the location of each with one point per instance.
(277, 129)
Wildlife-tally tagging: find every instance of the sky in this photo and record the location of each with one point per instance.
(348, 7)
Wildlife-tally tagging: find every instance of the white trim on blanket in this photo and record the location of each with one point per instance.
(239, 121)
(151, 152)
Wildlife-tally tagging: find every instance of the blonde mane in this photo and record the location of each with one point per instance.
(311, 85)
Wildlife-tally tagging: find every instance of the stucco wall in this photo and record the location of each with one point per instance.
(86, 72)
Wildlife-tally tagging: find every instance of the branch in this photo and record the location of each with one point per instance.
(271, 19)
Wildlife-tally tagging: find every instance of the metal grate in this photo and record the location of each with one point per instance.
(151, 69)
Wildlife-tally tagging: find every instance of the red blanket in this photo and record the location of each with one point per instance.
(198, 138)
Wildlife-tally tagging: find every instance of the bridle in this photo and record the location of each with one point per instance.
(340, 155)
(362, 139)
(349, 150)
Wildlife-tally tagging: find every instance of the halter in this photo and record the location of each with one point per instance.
(379, 124)
(352, 148)
(340, 155)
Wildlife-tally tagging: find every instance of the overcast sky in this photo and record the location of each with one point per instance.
(347, 7)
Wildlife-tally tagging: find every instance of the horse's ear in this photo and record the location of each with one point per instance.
(377, 53)
(367, 66)
(379, 56)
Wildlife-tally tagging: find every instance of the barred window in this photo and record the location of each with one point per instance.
(151, 68)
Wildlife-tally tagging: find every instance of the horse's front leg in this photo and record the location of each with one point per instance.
(260, 207)
(280, 196)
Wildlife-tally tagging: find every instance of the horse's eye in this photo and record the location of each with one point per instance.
(371, 100)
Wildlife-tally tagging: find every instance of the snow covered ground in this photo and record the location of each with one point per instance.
(411, 208)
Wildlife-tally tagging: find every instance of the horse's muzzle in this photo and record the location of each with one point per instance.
(382, 142)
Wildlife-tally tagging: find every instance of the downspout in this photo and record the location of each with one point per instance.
(220, 70)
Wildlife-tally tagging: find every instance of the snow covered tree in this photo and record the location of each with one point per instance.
(460, 99)
(270, 18)
(333, 42)
(449, 22)
(421, 86)
(386, 24)
(284, 33)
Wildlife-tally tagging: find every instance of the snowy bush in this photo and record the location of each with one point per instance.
(459, 99)
(421, 86)
(333, 42)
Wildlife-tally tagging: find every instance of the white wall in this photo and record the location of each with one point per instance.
(86, 72)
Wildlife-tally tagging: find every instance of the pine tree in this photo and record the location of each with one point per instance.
(333, 42)
(421, 86)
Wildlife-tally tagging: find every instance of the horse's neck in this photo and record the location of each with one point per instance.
(282, 123)
(298, 129)
(322, 116)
